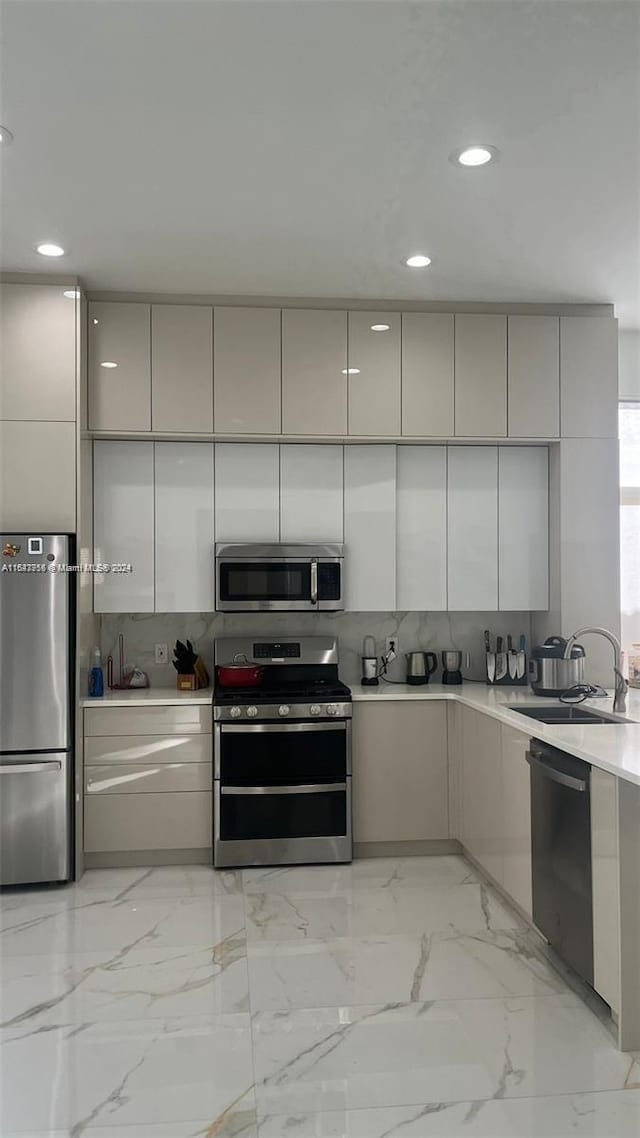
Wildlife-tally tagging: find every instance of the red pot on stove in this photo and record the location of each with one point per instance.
(240, 675)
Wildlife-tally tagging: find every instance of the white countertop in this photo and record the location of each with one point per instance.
(614, 748)
(148, 697)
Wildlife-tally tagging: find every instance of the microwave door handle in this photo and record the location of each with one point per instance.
(314, 582)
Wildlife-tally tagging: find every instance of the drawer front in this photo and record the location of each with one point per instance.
(153, 749)
(145, 778)
(190, 719)
(120, 822)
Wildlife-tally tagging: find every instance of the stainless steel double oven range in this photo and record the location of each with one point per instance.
(282, 756)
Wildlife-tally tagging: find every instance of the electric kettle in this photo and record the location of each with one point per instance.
(420, 665)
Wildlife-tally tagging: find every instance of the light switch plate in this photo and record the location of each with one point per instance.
(162, 654)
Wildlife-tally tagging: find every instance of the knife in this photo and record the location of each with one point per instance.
(522, 648)
(501, 660)
(491, 667)
(512, 658)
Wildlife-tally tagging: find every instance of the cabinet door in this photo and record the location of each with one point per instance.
(314, 379)
(184, 538)
(516, 817)
(400, 785)
(182, 367)
(473, 529)
(37, 353)
(482, 791)
(534, 378)
(589, 377)
(374, 373)
(120, 396)
(116, 823)
(311, 493)
(427, 374)
(38, 477)
(370, 528)
(481, 375)
(606, 892)
(247, 492)
(247, 366)
(523, 528)
(123, 525)
(421, 529)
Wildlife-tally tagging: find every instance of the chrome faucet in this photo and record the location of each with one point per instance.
(620, 692)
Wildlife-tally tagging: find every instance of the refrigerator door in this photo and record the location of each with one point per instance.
(35, 663)
(35, 818)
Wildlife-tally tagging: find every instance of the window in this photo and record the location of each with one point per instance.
(630, 523)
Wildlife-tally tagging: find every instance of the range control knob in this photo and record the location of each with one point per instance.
(332, 709)
(315, 709)
(235, 713)
(284, 709)
(252, 712)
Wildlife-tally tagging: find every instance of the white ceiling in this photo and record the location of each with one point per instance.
(301, 148)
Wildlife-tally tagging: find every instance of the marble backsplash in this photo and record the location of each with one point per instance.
(413, 630)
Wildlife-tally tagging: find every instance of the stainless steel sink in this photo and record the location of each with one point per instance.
(564, 715)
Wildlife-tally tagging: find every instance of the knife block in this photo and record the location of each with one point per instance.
(506, 681)
(198, 679)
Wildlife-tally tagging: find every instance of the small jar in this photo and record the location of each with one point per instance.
(634, 666)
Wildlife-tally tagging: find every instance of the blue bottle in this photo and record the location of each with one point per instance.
(96, 675)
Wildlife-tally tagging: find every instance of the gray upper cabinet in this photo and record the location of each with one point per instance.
(37, 353)
(534, 377)
(589, 376)
(481, 376)
(247, 367)
(427, 374)
(314, 379)
(120, 395)
(374, 373)
(181, 368)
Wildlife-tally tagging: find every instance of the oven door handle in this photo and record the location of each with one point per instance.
(267, 728)
(305, 788)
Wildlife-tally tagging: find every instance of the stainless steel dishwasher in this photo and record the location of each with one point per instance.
(561, 854)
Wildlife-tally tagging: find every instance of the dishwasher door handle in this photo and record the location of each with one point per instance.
(551, 772)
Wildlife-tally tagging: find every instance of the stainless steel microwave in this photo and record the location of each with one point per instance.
(279, 578)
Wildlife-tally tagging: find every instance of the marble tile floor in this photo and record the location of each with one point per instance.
(390, 997)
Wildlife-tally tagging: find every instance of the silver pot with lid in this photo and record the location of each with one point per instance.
(549, 672)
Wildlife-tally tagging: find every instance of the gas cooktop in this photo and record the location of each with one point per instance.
(296, 692)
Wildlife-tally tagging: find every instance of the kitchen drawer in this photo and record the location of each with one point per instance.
(121, 822)
(188, 719)
(145, 778)
(150, 749)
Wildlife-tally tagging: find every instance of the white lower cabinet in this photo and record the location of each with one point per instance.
(400, 783)
(481, 791)
(184, 533)
(370, 528)
(605, 885)
(147, 780)
(516, 814)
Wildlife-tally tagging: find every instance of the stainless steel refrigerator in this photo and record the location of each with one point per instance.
(36, 702)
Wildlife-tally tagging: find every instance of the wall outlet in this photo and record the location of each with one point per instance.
(162, 654)
(391, 647)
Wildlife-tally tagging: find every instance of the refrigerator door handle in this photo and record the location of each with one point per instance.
(29, 768)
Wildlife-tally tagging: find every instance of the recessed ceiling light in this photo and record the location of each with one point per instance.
(108, 363)
(418, 261)
(380, 327)
(49, 249)
(478, 155)
(72, 293)
(6, 137)
(351, 371)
